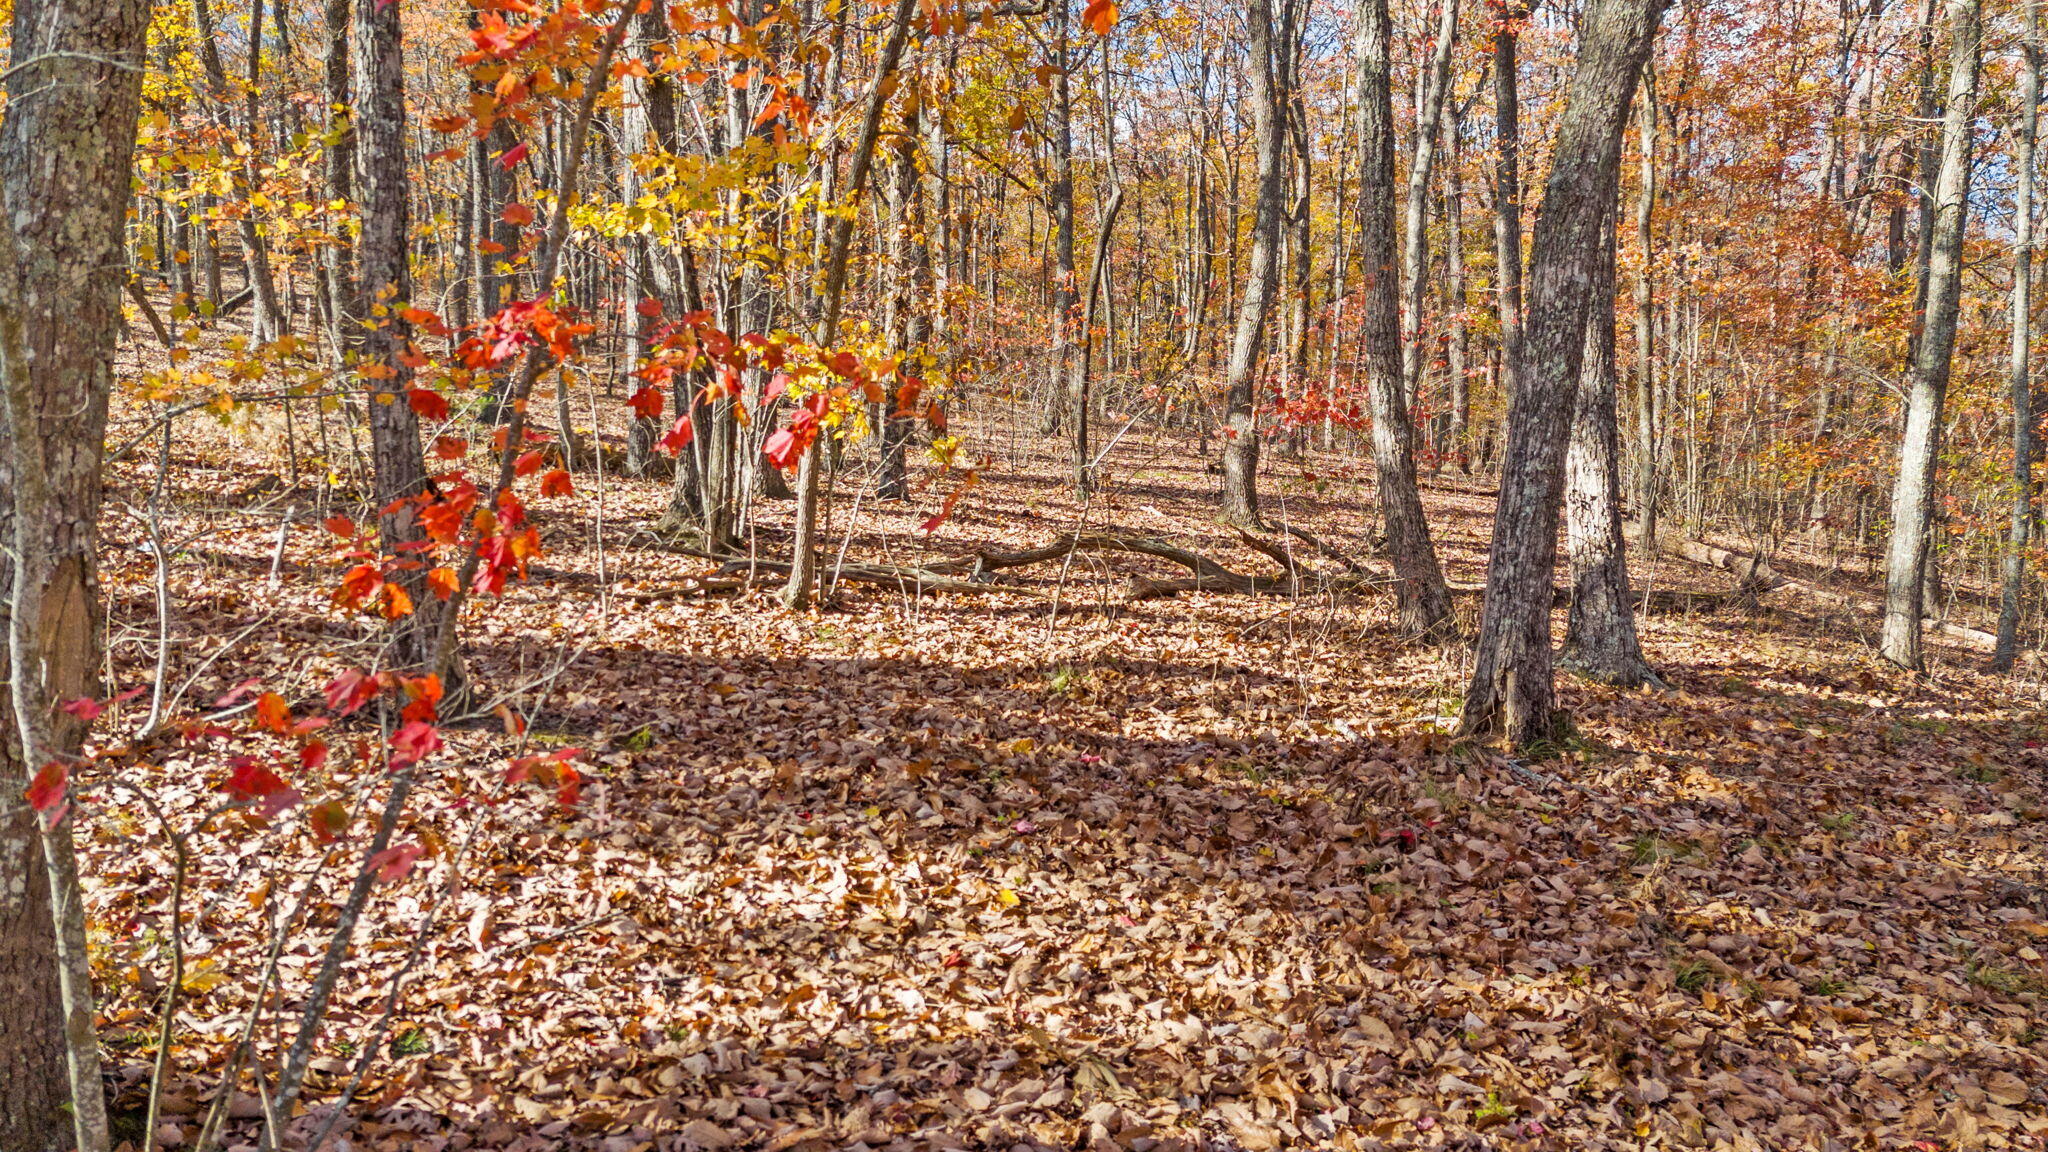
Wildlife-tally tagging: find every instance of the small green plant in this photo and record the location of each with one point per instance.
(344, 1048)
(641, 740)
(1694, 975)
(1825, 985)
(1493, 1109)
(1066, 680)
(2002, 980)
(411, 1042)
(1978, 773)
(1839, 823)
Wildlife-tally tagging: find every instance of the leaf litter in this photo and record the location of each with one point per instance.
(1040, 868)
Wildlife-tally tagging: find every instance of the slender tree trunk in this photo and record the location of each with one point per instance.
(385, 286)
(1511, 692)
(1509, 16)
(1913, 494)
(1084, 367)
(1646, 320)
(1600, 631)
(1060, 202)
(1457, 299)
(803, 568)
(1262, 274)
(2015, 560)
(1415, 214)
(1422, 599)
(66, 142)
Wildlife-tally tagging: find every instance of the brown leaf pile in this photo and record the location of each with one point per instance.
(1038, 868)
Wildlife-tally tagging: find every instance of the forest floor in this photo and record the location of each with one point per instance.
(1039, 867)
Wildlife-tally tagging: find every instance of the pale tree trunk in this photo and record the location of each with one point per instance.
(1646, 319)
(1422, 599)
(1913, 493)
(1415, 213)
(1511, 692)
(1459, 346)
(1600, 631)
(385, 285)
(74, 88)
(2015, 573)
(1262, 274)
(803, 568)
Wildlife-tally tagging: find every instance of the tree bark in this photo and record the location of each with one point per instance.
(1415, 214)
(1511, 693)
(66, 143)
(379, 333)
(1262, 274)
(803, 568)
(1507, 178)
(1600, 630)
(1422, 600)
(1646, 318)
(1913, 493)
(2015, 560)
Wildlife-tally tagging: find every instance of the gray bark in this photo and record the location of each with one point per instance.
(1262, 274)
(66, 143)
(1511, 693)
(2015, 561)
(1913, 493)
(1422, 599)
(1600, 629)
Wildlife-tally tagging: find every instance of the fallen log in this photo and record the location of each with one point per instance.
(1758, 577)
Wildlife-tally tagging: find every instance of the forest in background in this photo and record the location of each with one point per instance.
(989, 573)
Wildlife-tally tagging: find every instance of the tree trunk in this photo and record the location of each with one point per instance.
(1262, 275)
(1511, 692)
(1646, 319)
(2015, 560)
(66, 144)
(1913, 493)
(1600, 631)
(803, 568)
(385, 286)
(1060, 203)
(1507, 180)
(1415, 213)
(1422, 599)
(1084, 367)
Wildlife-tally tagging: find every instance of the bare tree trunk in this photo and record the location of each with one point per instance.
(2015, 560)
(1415, 215)
(1457, 299)
(1511, 692)
(1600, 631)
(1646, 320)
(1423, 600)
(1262, 274)
(337, 264)
(803, 568)
(1507, 180)
(1913, 493)
(385, 285)
(1084, 368)
(1060, 203)
(66, 143)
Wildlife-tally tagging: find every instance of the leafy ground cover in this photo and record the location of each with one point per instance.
(1037, 866)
